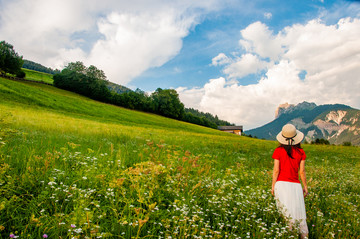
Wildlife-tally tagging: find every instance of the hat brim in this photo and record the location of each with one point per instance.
(296, 140)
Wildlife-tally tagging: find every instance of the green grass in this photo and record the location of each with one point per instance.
(73, 167)
(38, 76)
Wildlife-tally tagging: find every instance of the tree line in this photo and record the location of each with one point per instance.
(92, 82)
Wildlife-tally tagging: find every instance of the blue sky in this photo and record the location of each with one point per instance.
(220, 32)
(233, 58)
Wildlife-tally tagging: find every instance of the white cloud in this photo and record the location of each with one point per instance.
(268, 15)
(220, 59)
(329, 54)
(257, 38)
(128, 37)
(245, 65)
(41, 29)
(241, 66)
(191, 97)
(133, 44)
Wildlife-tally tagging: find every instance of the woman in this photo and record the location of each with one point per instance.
(289, 161)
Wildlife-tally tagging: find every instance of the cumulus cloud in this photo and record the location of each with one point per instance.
(126, 37)
(257, 38)
(328, 54)
(245, 65)
(133, 44)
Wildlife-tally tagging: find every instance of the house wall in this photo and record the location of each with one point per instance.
(238, 132)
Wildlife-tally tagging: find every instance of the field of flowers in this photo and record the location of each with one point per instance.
(65, 174)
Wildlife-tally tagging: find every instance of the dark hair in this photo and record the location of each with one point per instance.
(288, 148)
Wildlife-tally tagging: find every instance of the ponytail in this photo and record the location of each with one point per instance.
(288, 148)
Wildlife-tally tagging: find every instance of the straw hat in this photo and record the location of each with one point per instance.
(289, 135)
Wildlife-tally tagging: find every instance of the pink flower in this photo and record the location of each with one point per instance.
(45, 236)
(73, 225)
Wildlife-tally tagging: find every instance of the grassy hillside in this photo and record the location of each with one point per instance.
(73, 167)
(38, 76)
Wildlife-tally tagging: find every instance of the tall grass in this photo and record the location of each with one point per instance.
(71, 167)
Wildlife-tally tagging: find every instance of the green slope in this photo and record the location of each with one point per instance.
(74, 167)
(47, 97)
(38, 76)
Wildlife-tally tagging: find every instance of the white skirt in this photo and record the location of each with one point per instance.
(290, 201)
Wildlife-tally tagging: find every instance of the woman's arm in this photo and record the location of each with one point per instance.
(303, 177)
(275, 174)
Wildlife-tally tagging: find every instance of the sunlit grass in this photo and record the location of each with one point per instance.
(38, 76)
(74, 168)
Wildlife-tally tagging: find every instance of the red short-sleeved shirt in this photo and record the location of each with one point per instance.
(289, 167)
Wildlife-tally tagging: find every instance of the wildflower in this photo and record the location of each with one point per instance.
(45, 236)
(73, 225)
(13, 236)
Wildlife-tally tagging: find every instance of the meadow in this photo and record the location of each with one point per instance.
(38, 76)
(71, 167)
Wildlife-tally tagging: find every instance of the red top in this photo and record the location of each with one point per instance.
(289, 167)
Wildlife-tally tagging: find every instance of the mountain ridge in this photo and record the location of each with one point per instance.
(337, 123)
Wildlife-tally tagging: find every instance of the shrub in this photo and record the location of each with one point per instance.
(346, 143)
(321, 141)
(20, 74)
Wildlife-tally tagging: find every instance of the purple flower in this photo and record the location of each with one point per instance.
(45, 236)
(12, 236)
(73, 225)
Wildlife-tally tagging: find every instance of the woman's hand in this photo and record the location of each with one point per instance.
(276, 172)
(305, 191)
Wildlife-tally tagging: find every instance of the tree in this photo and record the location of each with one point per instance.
(167, 103)
(95, 73)
(78, 67)
(78, 78)
(10, 61)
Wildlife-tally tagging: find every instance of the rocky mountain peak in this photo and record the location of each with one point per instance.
(288, 108)
(282, 108)
(336, 123)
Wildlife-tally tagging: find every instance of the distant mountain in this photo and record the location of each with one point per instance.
(336, 123)
(117, 88)
(38, 67)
